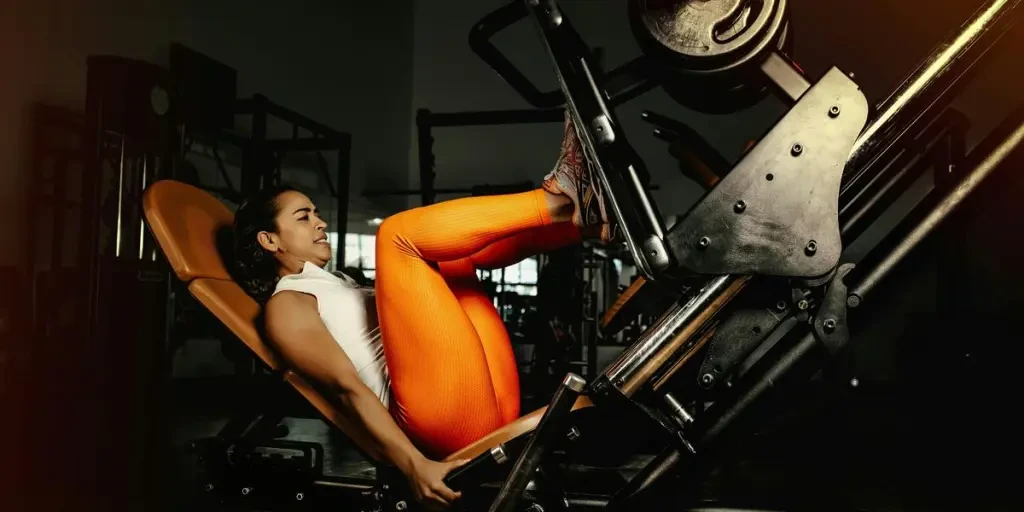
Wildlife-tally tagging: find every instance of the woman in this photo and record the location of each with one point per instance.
(423, 366)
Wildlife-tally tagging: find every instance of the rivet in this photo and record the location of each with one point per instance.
(834, 111)
(811, 248)
(829, 324)
(797, 149)
(704, 242)
(739, 207)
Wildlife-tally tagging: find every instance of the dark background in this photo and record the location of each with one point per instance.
(935, 353)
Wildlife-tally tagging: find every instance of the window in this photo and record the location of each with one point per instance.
(360, 253)
(520, 278)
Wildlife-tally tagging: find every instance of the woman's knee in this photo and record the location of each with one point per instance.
(392, 234)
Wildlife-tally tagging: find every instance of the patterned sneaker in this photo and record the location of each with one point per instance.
(574, 177)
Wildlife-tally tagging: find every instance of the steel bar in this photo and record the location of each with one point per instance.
(927, 216)
(927, 90)
(550, 428)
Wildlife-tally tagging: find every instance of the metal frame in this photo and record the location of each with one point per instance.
(260, 153)
(870, 180)
(426, 121)
(911, 132)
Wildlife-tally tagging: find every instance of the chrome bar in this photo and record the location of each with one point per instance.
(926, 87)
(638, 363)
(908, 239)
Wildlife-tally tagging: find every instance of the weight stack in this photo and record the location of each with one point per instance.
(118, 402)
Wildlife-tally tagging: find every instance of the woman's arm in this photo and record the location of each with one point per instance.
(297, 331)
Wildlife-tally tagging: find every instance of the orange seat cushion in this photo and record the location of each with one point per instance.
(187, 222)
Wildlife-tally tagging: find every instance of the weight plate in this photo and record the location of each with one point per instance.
(707, 37)
(708, 29)
(721, 94)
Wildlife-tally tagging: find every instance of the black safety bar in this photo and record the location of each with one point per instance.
(619, 168)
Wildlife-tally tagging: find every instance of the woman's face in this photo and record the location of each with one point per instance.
(301, 234)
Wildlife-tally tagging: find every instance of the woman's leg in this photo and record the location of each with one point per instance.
(442, 389)
(516, 248)
(464, 284)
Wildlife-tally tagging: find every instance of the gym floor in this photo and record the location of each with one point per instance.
(865, 449)
(883, 429)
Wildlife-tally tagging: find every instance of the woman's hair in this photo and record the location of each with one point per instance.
(254, 267)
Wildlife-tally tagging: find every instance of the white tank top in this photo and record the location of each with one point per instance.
(350, 314)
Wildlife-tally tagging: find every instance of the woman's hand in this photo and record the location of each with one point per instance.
(426, 478)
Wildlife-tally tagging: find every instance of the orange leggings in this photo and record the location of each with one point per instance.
(453, 371)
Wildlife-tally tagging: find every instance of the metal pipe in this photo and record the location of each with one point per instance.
(671, 331)
(550, 428)
(765, 383)
(911, 164)
(926, 89)
(648, 476)
(923, 220)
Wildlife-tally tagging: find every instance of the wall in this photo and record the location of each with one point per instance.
(314, 60)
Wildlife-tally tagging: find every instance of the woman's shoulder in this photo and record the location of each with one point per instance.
(289, 300)
(289, 311)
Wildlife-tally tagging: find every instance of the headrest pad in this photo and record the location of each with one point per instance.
(192, 227)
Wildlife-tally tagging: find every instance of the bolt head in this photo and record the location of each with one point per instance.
(573, 434)
(811, 248)
(803, 304)
(829, 324)
(780, 305)
(707, 379)
(704, 242)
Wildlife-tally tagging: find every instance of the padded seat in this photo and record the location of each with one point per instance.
(188, 223)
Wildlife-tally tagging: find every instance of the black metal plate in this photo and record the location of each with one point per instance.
(737, 336)
(761, 217)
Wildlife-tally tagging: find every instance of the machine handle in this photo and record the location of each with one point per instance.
(476, 470)
(480, 43)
